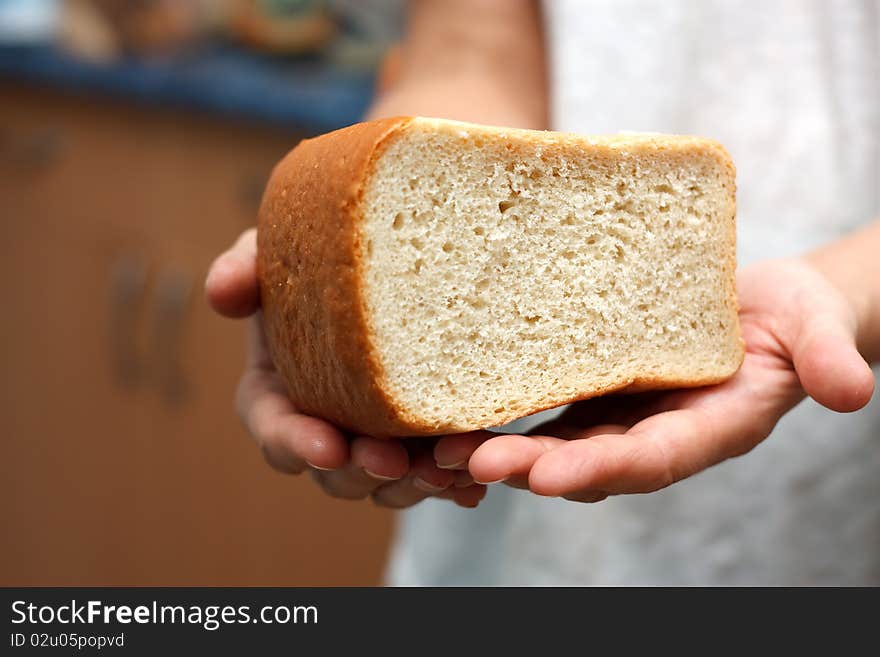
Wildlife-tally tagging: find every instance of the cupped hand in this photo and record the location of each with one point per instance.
(395, 473)
(799, 332)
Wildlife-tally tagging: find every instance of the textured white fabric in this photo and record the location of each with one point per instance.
(792, 88)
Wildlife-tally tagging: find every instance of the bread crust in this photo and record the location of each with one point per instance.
(311, 267)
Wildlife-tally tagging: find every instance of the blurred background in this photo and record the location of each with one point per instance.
(135, 140)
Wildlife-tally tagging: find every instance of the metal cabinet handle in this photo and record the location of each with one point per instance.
(173, 292)
(128, 281)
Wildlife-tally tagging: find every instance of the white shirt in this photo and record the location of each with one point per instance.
(792, 89)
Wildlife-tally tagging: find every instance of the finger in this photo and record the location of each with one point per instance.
(828, 363)
(231, 285)
(577, 432)
(463, 479)
(257, 349)
(506, 456)
(587, 497)
(373, 463)
(622, 463)
(383, 460)
(424, 480)
(468, 498)
(453, 451)
(668, 447)
(517, 481)
(347, 483)
(510, 458)
(289, 440)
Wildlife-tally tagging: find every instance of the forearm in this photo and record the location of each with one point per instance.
(853, 265)
(471, 60)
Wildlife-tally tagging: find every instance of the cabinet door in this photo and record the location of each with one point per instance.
(122, 461)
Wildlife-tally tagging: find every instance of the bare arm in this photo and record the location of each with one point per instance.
(471, 60)
(852, 264)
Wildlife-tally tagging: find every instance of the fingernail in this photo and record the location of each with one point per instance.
(453, 466)
(318, 467)
(427, 487)
(486, 483)
(463, 480)
(380, 477)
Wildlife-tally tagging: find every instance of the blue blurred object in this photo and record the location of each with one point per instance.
(309, 95)
(27, 21)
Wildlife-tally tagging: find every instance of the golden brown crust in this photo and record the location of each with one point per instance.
(311, 268)
(308, 265)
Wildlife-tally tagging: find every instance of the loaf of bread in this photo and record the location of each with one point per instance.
(423, 276)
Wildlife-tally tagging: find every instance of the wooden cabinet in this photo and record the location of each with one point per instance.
(122, 461)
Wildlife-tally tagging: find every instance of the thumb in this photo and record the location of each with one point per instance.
(825, 356)
(231, 286)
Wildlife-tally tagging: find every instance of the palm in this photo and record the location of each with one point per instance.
(795, 327)
(391, 472)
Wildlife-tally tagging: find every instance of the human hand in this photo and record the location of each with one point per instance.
(800, 334)
(395, 473)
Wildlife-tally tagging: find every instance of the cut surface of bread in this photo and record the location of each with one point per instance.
(423, 276)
